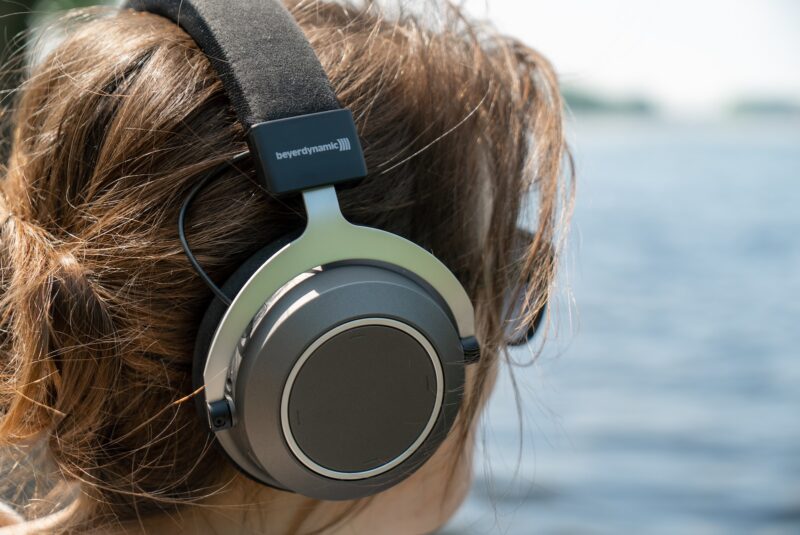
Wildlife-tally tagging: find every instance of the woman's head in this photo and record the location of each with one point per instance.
(100, 307)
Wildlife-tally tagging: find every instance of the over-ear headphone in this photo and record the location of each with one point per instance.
(337, 367)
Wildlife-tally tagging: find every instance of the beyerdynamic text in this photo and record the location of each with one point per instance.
(342, 144)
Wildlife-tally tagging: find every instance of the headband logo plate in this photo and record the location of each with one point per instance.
(307, 151)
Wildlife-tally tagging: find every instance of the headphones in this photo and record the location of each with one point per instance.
(337, 367)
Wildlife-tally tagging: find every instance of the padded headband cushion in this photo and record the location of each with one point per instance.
(267, 66)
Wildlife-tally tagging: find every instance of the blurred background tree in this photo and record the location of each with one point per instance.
(17, 17)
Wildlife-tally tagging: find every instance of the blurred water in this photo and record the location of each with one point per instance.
(672, 405)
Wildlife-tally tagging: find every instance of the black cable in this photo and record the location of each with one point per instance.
(182, 219)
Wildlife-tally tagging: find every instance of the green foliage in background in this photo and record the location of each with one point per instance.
(583, 101)
(16, 17)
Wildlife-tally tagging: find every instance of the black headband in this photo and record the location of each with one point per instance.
(281, 94)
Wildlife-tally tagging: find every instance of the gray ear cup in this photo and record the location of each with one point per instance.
(346, 383)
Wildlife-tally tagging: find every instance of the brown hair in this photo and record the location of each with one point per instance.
(99, 305)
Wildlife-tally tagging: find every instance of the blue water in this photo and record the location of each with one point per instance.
(668, 399)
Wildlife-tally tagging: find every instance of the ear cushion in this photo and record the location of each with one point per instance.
(216, 309)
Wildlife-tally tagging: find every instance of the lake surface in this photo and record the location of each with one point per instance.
(668, 398)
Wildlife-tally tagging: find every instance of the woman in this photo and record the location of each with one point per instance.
(100, 306)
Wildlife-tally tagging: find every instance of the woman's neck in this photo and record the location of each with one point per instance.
(420, 504)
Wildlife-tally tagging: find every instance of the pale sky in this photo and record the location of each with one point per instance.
(690, 56)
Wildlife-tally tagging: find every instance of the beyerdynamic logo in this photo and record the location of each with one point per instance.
(342, 144)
